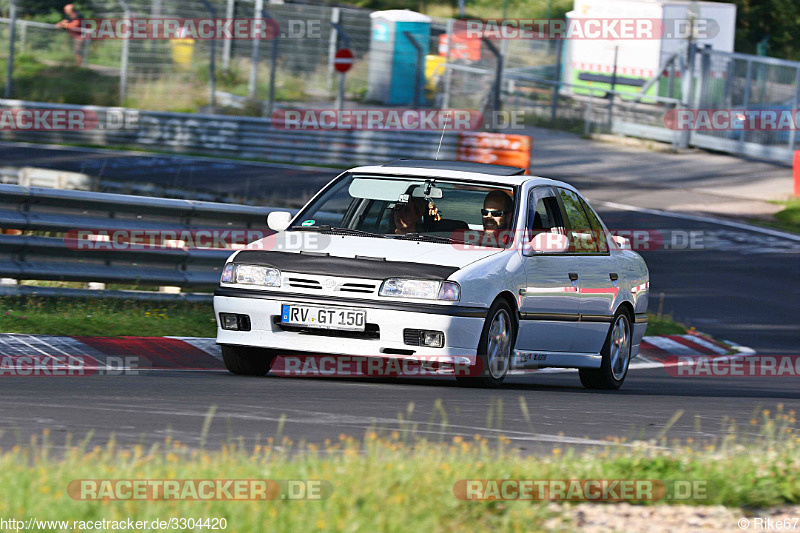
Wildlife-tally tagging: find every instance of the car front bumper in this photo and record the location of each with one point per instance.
(461, 327)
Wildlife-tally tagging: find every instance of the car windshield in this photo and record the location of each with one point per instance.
(407, 207)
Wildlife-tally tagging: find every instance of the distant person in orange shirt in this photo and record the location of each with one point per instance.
(73, 26)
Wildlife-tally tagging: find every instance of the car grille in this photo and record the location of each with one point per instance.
(364, 288)
(304, 283)
(411, 337)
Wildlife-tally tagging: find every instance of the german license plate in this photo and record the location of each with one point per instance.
(309, 316)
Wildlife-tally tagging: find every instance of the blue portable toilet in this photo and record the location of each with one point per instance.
(393, 58)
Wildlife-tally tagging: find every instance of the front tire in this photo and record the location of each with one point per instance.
(495, 348)
(616, 357)
(246, 360)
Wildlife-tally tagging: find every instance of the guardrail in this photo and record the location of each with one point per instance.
(46, 211)
(244, 137)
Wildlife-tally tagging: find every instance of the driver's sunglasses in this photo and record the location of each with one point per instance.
(492, 212)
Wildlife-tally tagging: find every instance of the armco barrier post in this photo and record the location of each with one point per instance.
(212, 71)
(252, 83)
(226, 45)
(796, 169)
(11, 38)
(123, 67)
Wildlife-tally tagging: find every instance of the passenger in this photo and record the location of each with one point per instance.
(408, 216)
(497, 212)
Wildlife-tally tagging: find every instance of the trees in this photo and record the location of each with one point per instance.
(778, 20)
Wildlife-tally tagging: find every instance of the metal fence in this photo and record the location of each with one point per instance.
(740, 81)
(699, 79)
(177, 74)
(252, 78)
(44, 217)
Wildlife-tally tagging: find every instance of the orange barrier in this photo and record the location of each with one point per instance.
(796, 172)
(495, 148)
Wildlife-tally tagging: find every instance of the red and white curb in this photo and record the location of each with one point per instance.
(201, 354)
(117, 353)
(656, 350)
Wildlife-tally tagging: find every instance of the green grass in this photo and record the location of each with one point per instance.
(490, 8)
(78, 316)
(63, 84)
(96, 317)
(664, 325)
(788, 219)
(394, 482)
(36, 78)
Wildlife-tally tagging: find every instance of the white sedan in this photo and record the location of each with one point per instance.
(462, 263)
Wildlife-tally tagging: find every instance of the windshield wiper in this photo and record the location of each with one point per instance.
(335, 230)
(427, 238)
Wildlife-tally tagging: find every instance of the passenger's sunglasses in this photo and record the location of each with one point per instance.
(492, 212)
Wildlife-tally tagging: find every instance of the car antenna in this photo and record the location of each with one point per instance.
(446, 118)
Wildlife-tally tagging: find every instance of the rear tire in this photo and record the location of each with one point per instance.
(246, 360)
(495, 349)
(616, 356)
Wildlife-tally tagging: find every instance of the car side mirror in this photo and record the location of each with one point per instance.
(550, 243)
(279, 220)
(621, 242)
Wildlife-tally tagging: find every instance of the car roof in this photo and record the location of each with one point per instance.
(466, 175)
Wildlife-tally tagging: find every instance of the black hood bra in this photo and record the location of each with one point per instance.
(346, 267)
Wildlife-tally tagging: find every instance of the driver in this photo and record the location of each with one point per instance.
(498, 209)
(408, 216)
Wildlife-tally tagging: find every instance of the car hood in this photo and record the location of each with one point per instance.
(347, 246)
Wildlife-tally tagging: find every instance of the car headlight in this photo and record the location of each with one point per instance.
(251, 275)
(421, 288)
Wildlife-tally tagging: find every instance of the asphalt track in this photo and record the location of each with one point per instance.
(741, 285)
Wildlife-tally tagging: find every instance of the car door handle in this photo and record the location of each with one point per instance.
(613, 275)
(573, 276)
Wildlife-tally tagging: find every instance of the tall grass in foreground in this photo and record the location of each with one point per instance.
(390, 481)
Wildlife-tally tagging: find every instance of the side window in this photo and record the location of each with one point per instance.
(544, 215)
(376, 217)
(597, 228)
(579, 232)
